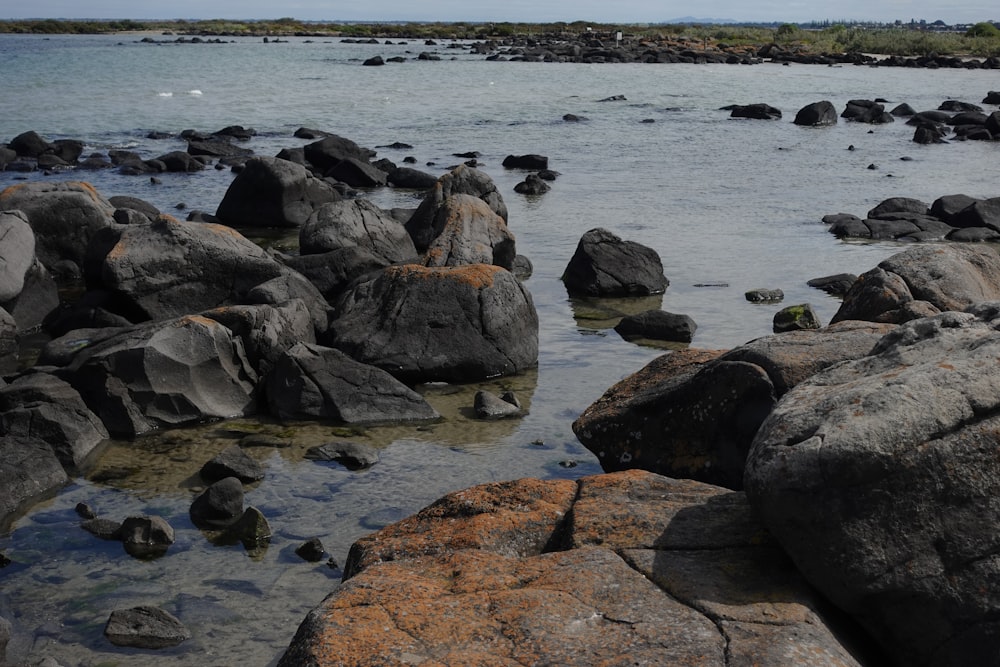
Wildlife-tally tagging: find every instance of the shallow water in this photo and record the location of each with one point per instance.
(731, 203)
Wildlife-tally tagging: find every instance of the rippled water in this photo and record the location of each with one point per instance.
(724, 202)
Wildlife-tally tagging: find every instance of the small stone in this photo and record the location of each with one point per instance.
(252, 529)
(145, 627)
(84, 511)
(232, 462)
(312, 550)
(106, 529)
(490, 406)
(796, 318)
(351, 455)
(765, 295)
(146, 536)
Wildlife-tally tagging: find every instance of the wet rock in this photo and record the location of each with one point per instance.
(351, 455)
(311, 550)
(29, 471)
(356, 223)
(106, 529)
(796, 318)
(326, 153)
(530, 161)
(316, 382)
(532, 185)
(487, 405)
(449, 324)
(145, 627)
(218, 506)
(469, 233)
(357, 173)
(146, 536)
(835, 285)
(413, 179)
(180, 162)
(251, 529)
(271, 192)
(657, 325)
(880, 495)
(232, 462)
(605, 265)
(9, 346)
(757, 111)
(267, 331)
(5, 635)
(29, 144)
(866, 111)
(817, 114)
(764, 295)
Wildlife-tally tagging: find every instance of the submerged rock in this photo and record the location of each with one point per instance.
(145, 627)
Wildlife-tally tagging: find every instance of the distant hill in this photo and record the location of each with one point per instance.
(692, 19)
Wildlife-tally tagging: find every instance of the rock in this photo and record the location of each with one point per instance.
(180, 162)
(332, 272)
(29, 472)
(218, 506)
(921, 281)
(315, 382)
(835, 285)
(217, 147)
(161, 374)
(487, 405)
(657, 325)
(374, 61)
(605, 265)
(662, 572)
(757, 111)
(232, 462)
(27, 291)
(469, 233)
(980, 213)
(817, 114)
(899, 205)
(121, 202)
(105, 529)
(271, 192)
(42, 406)
(351, 455)
(170, 268)
(311, 551)
(251, 529)
(9, 345)
(329, 151)
(448, 324)
(64, 217)
(356, 223)
(880, 495)
(412, 179)
(4, 637)
(532, 185)
(763, 295)
(866, 111)
(29, 144)
(425, 224)
(947, 207)
(530, 161)
(146, 536)
(145, 627)
(266, 331)
(796, 318)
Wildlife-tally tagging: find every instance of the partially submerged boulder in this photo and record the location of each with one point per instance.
(605, 265)
(29, 472)
(470, 233)
(145, 627)
(879, 477)
(271, 192)
(425, 224)
(448, 324)
(817, 114)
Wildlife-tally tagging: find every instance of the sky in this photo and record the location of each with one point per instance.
(534, 11)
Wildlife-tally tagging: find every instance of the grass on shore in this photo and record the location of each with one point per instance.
(982, 40)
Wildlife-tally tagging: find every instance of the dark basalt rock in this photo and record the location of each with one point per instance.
(657, 325)
(530, 161)
(218, 506)
(271, 192)
(351, 455)
(605, 265)
(145, 627)
(232, 462)
(817, 114)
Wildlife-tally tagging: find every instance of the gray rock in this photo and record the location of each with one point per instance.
(532, 185)
(351, 455)
(530, 161)
(218, 506)
(817, 114)
(657, 325)
(311, 550)
(332, 272)
(425, 223)
(315, 382)
(271, 192)
(356, 223)
(605, 265)
(835, 285)
(106, 529)
(251, 529)
(326, 153)
(796, 318)
(764, 295)
(145, 627)
(878, 476)
(9, 345)
(488, 405)
(357, 173)
(146, 536)
(29, 472)
(161, 374)
(899, 205)
(44, 407)
(232, 462)
(469, 233)
(267, 331)
(5, 634)
(448, 324)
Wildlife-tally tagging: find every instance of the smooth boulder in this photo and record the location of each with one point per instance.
(470, 233)
(425, 224)
(271, 192)
(447, 324)
(356, 223)
(29, 472)
(605, 265)
(145, 627)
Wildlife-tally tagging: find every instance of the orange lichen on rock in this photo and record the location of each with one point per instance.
(477, 276)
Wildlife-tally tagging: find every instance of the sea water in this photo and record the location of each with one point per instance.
(729, 205)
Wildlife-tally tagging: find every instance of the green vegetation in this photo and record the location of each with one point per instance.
(912, 39)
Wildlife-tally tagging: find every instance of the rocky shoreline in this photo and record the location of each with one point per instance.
(690, 550)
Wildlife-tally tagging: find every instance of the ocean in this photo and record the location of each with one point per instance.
(729, 204)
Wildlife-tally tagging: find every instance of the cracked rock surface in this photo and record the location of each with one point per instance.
(618, 569)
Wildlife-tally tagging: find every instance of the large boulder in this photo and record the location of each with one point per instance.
(333, 271)
(27, 292)
(356, 223)
(44, 407)
(314, 382)
(694, 413)
(449, 324)
(29, 471)
(880, 476)
(817, 114)
(64, 217)
(604, 265)
(170, 268)
(425, 224)
(266, 331)
(471, 233)
(630, 568)
(922, 281)
(161, 374)
(271, 192)
(329, 151)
